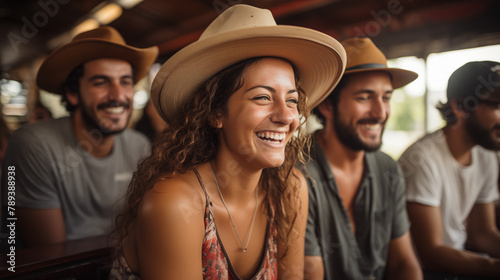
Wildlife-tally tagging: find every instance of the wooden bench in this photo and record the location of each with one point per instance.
(76, 260)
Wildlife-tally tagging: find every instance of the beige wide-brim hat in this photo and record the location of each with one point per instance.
(103, 42)
(242, 32)
(363, 56)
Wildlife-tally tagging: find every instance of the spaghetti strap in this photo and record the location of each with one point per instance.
(207, 199)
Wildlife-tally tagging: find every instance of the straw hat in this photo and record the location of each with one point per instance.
(103, 42)
(363, 55)
(242, 32)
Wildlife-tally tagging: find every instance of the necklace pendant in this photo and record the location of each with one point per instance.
(244, 250)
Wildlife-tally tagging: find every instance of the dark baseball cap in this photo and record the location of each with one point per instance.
(477, 79)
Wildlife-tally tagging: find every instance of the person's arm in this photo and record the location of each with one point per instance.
(483, 234)
(427, 233)
(401, 260)
(314, 268)
(41, 226)
(169, 232)
(292, 265)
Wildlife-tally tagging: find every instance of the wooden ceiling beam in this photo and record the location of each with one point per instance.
(290, 8)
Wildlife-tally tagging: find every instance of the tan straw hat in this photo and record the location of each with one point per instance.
(103, 42)
(242, 32)
(363, 55)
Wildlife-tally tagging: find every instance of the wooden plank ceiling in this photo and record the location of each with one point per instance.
(398, 27)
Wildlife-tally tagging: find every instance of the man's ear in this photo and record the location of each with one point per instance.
(458, 109)
(72, 97)
(326, 109)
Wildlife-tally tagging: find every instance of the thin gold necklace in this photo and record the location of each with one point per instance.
(231, 218)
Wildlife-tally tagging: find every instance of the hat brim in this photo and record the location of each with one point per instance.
(59, 64)
(319, 59)
(400, 77)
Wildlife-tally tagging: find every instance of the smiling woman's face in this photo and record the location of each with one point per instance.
(261, 116)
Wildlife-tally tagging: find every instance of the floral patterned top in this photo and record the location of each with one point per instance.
(216, 264)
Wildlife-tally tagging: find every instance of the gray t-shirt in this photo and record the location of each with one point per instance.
(379, 213)
(53, 171)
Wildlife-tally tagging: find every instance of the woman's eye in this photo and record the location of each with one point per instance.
(261, 97)
(293, 100)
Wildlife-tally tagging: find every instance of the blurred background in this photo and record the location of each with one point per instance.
(430, 37)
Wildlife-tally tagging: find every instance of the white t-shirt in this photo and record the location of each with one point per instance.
(433, 177)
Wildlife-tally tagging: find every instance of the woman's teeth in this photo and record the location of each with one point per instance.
(271, 136)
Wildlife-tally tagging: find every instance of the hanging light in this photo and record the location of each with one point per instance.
(127, 4)
(108, 13)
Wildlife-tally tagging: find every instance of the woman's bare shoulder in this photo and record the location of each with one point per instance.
(170, 228)
(171, 196)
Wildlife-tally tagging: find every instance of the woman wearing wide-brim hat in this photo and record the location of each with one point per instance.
(218, 197)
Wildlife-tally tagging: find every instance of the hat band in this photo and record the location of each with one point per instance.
(366, 66)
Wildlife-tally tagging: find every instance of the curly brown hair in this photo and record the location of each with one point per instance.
(191, 139)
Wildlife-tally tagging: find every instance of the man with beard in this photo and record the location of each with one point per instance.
(357, 224)
(452, 175)
(71, 172)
